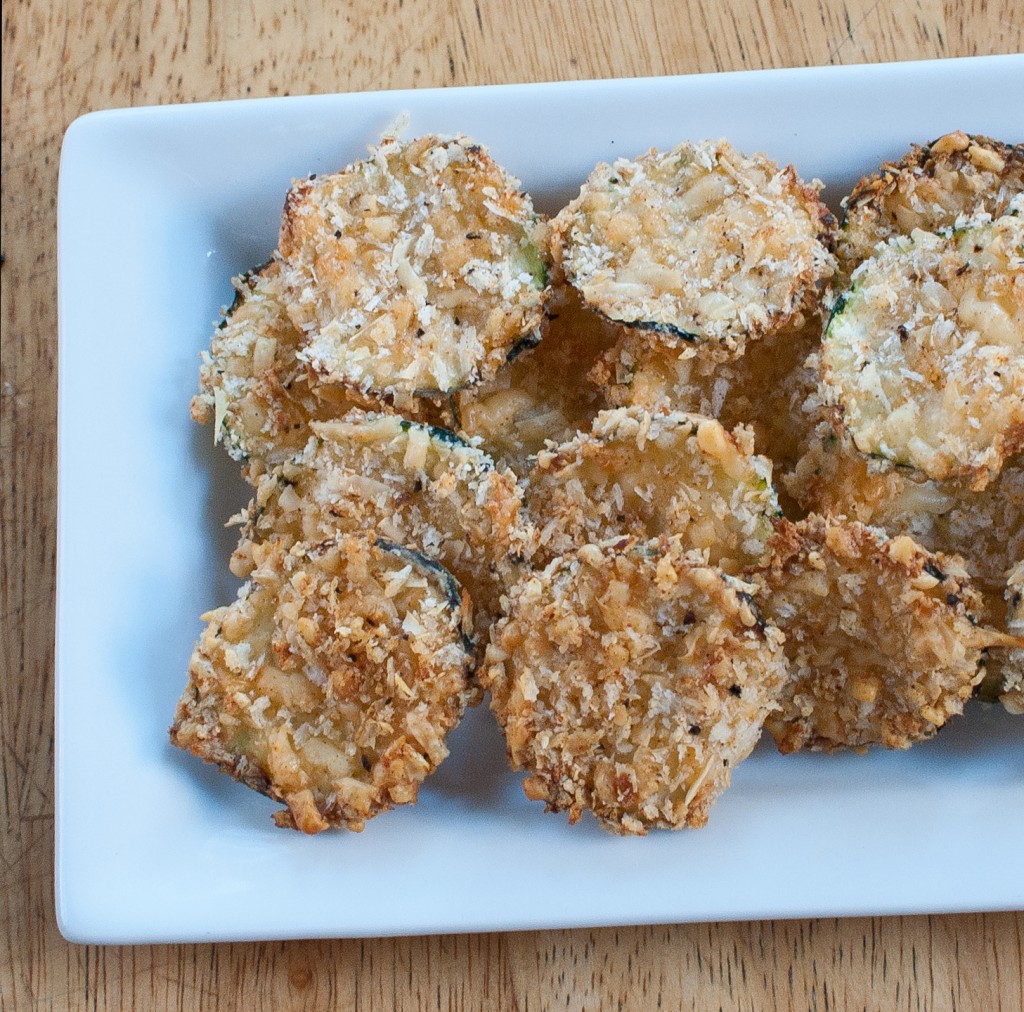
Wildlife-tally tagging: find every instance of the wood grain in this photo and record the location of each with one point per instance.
(63, 60)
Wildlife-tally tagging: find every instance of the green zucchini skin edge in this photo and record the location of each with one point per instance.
(536, 265)
(452, 588)
(527, 343)
(445, 436)
(247, 278)
(666, 329)
(837, 310)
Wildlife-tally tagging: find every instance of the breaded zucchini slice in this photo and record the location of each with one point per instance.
(986, 528)
(880, 636)
(699, 245)
(932, 186)
(415, 270)
(332, 681)
(650, 475)
(544, 394)
(764, 388)
(412, 484)
(924, 355)
(630, 681)
(833, 477)
(260, 397)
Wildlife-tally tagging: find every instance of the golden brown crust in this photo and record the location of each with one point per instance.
(649, 475)
(630, 674)
(923, 357)
(414, 270)
(630, 681)
(331, 682)
(880, 636)
(410, 483)
(985, 528)
(254, 388)
(260, 397)
(929, 188)
(700, 244)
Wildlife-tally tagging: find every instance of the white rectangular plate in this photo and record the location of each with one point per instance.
(158, 209)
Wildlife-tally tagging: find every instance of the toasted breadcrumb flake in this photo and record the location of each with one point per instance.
(308, 690)
(630, 682)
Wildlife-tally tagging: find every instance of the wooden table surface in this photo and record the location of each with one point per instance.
(62, 60)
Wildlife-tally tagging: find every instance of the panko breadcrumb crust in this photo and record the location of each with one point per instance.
(331, 682)
(985, 528)
(630, 681)
(645, 475)
(260, 397)
(958, 175)
(700, 244)
(543, 395)
(923, 356)
(880, 634)
(417, 269)
(764, 389)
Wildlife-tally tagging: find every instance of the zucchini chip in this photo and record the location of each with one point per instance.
(699, 245)
(930, 188)
(544, 394)
(416, 270)
(986, 529)
(331, 682)
(833, 476)
(630, 681)
(764, 388)
(880, 636)
(412, 484)
(924, 356)
(649, 475)
(260, 397)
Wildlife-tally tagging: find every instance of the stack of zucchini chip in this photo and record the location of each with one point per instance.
(918, 424)
(377, 543)
(681, 464)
